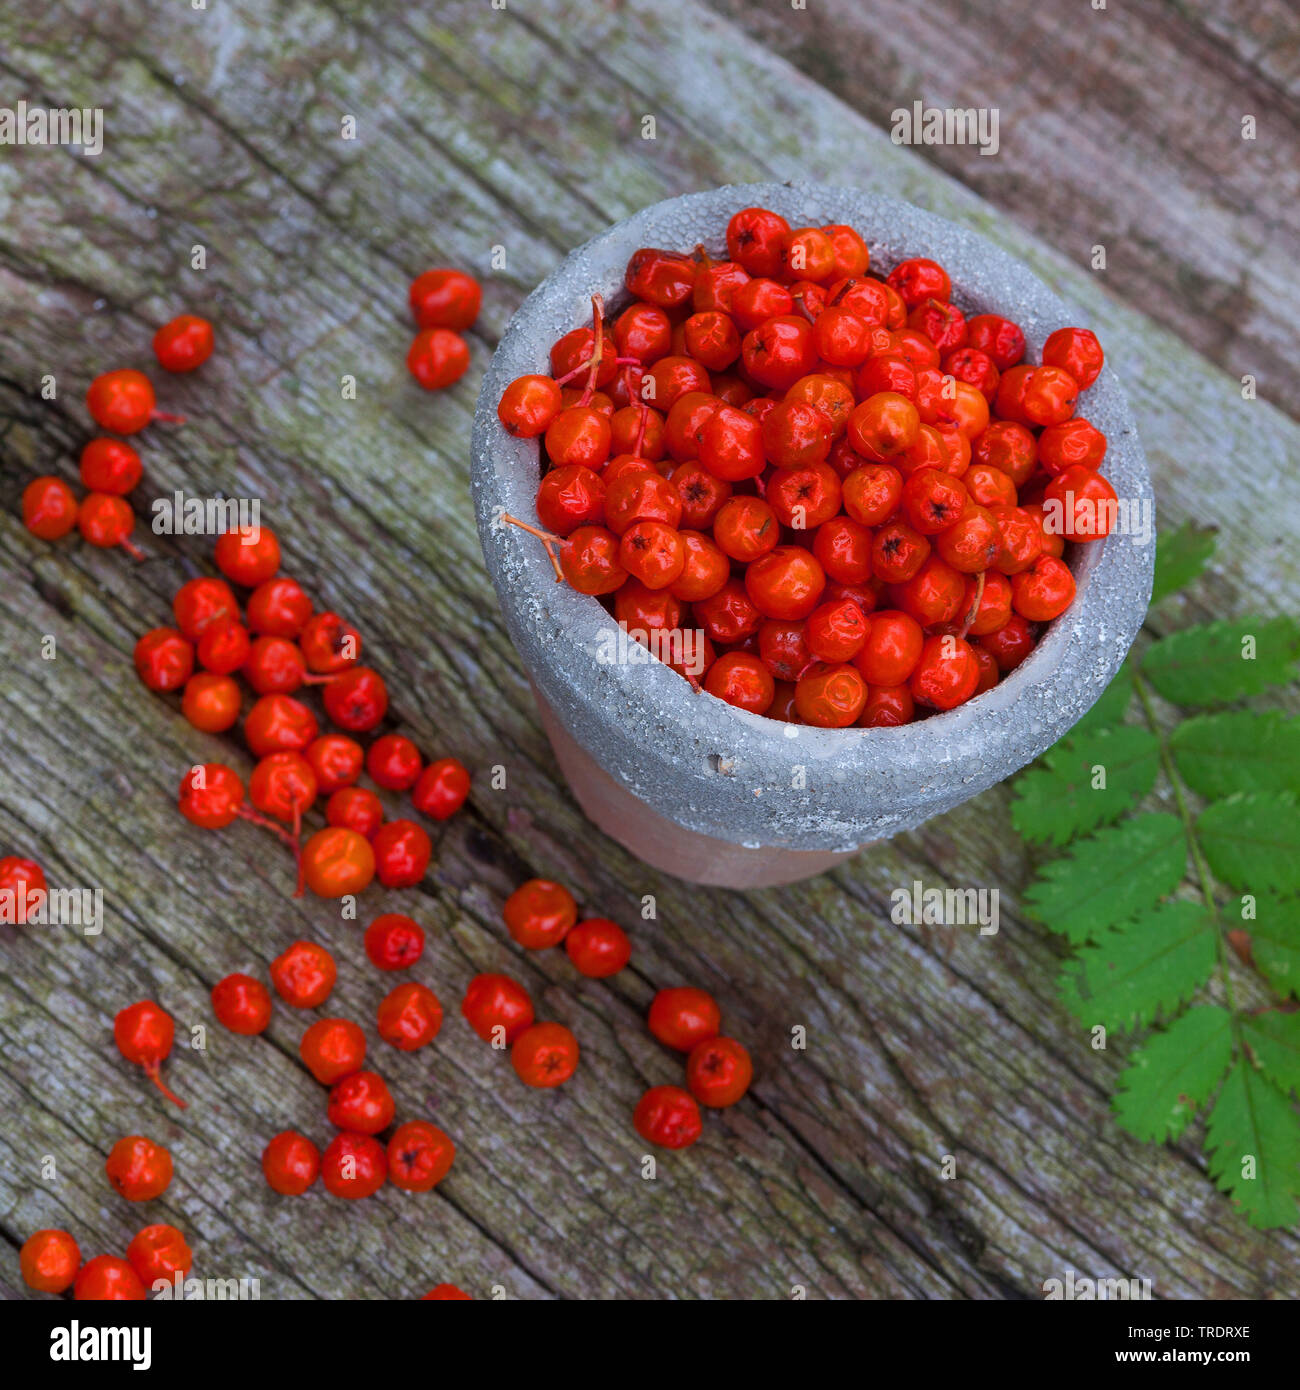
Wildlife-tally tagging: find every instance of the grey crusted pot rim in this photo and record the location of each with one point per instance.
(700, 761)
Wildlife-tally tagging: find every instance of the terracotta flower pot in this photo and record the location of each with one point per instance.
(692, 785)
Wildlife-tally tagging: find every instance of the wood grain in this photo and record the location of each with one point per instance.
(517, 128)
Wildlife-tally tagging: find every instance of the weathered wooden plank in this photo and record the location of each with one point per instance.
(1120, 126)
(921, 1042)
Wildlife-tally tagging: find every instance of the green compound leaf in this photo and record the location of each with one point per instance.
(1218, 754)
(1157, 961)
(1275, 941)
(1174, 1072)
(1252, 841)
(1110, 876)
(1180, 556)
(1223, 661)
(1059, 800)
(1274, 1039)
(1254, 1139)
(1112, 705)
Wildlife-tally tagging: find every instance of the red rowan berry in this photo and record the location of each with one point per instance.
(49, 508)
(445, 299)
(683, 1016)
(420, 1155)
(110, 465)
(332, 1048)
(544, 1055)
(394, 941)
(497, 1002)
(353, 1165)
(138, 1168)
(668, 1117)
(105, 1278)
(540, 913)
(159, 1253)
(242, 1004)
(598, 947)
(361, 1103)
(304, 975)
(291, 1163)
(184, 343)
(144, 1033)
(49, 1260)
(410, 1016)
(718, 1072)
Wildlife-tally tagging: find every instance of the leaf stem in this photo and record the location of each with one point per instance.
(1189, 829)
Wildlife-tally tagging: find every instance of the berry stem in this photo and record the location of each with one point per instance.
(975, 605)
(171, 419)
(803, 308)
(547, 538)
(297, 851)
(295, 847)
(585, 366)
(598, 347)
(132, 550)
(153, 1071)
(843, 290)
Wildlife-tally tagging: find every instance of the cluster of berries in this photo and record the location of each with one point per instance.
(51, 1262)
(858, 495)
(139, 1170)
(417, 1154)
(121, 401)
(279, 644)
(444, 303)
(541, 914)
(718, 1069)
(355, 1164)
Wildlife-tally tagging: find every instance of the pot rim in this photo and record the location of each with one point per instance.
(726, 772)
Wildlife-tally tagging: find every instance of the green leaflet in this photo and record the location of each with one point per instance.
(1218, 754)
(1174, 1072)
(1139, 958)
(1057, 801)
(1275, 941)
(1254, 1138)
(1252, 841)
(1223, 661)
(1155, 962)
(1110, 876)
(1180, 556)
(1274, 1039)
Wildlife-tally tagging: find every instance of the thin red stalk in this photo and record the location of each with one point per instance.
(266, 824)
(975, 605)
(585, 366)
(153, 1071)
(547, 538)
(598, 347)
(297, 850)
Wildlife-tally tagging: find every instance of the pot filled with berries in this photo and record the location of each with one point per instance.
(811, 515)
